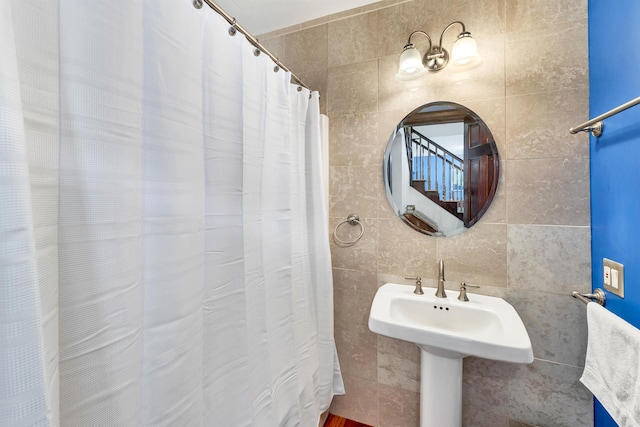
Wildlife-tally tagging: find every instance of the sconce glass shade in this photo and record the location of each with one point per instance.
(410, 66)
(464, 53)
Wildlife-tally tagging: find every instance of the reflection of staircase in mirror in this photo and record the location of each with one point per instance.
(436, 173)
(449, 206)
(419, 223)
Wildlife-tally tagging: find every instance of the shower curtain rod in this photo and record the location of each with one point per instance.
(231, 20)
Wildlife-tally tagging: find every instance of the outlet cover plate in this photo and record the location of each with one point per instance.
(620, 269)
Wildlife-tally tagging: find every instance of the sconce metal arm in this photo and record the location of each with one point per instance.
(464, 30)
(419, 32)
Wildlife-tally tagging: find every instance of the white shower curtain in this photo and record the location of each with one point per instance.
(163, 246)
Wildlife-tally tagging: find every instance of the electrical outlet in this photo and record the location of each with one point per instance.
(613, 277)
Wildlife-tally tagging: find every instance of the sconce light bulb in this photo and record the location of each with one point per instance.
(464, 54)
(410, 66)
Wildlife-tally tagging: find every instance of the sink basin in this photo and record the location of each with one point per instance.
(447, 330)
(487, 327)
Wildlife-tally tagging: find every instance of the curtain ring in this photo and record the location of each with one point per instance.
(276, 69)
(233, 30)
(197, 4)
(352, 219)
(256, 52)
(299, 88)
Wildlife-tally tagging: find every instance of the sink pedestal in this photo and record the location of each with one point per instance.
(440, 388)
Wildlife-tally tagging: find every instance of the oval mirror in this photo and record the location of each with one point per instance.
(441, 169)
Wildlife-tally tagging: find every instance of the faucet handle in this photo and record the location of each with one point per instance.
(463, 290)
(418, 289)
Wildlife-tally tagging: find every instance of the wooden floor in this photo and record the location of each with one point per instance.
(334, 421)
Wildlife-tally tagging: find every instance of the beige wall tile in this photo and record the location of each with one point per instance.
(353, 189)
(542, 393)
(398, 364)
(306, 50)
(556, 324)
(477, 256)
(398, 407)
(477, 416)
(275, 45)
(353, 88)
(513, 423)
(549, 258)
(387, 122)
(486, 382)
(353, 40)
(396, 24)
(404, 251)
(548, 191)
(396, 95)
(357, 403)
(485, 81)
(317, 80)
(549, 394)
(526, 15)
(353, 293)
(352, 140)
(481, 17)
(543, 131)
(357, 350)
(546, 59)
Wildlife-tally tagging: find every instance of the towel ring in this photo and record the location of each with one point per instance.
(352, 219)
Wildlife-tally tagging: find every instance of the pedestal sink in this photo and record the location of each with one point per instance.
(447, 330)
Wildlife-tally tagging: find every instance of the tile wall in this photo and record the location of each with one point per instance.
(532, 246)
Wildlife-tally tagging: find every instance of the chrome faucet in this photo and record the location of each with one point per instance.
(440, 293)
(418, 290)
(463, 291)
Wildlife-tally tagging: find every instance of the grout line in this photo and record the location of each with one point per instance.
(557, 363)
(588, 226)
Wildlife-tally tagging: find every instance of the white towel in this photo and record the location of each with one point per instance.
(612, 367)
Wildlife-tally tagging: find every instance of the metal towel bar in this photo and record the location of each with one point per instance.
(595, 125)
(597, 296)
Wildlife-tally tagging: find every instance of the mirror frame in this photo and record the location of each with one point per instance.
(473, 123)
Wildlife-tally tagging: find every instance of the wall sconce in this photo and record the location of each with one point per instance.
(464, 55)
